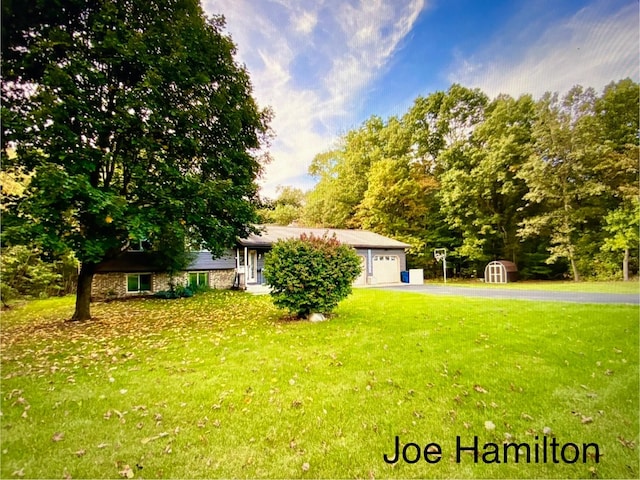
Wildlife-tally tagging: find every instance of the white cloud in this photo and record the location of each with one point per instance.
(306, 22)
(310, 61)
(591, 49)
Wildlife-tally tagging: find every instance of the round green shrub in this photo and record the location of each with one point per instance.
(310, 274)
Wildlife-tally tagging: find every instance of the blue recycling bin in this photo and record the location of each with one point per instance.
(404, 276)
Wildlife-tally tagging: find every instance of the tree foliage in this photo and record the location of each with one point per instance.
(310, 274)
(550, 184)
(482, 197)
(133, 121)
(286, 209)
(25, 273)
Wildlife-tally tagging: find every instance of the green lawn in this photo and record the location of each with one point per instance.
(632, 286)
(220, 385)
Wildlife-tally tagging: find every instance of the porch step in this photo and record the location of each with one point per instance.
(257, 289)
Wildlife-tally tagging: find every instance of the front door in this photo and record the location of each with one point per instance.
(252, 266)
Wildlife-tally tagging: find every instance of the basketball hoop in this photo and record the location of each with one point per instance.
(441, 254)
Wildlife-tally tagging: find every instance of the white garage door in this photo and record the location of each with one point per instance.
(362, 278)
(386, 269)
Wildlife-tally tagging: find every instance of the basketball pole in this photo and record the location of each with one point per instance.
(444, 268)
(441, 254)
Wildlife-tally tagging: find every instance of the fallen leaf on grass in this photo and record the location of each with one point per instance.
(80, 452)
(435, 451)
(305, 467)
(18, 473)
(58, 436)
(126, 472)
(489, 425)
(585, 419)
(627, 443)
(479, 389)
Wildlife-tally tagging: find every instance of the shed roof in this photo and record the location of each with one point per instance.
(508, 266)
(356, 238)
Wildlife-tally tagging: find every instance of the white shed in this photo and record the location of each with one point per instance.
(500, 271)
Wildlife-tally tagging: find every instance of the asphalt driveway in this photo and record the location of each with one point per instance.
(534, 295)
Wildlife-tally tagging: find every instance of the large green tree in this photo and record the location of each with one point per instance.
(400, 202)
(284, 210)
(441, 122)
(618, 113)
(560, 174)
(482, 197)
(343, 172)
(134, 121)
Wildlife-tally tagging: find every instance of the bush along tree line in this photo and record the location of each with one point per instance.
(26, 273)
(310, 274)
(550, 184)
(132, 121)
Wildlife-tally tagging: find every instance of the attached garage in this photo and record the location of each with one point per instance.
(382, 258)
(386, 269)
(362, 278)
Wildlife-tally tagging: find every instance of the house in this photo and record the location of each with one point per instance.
(382, 258)
(132, 273)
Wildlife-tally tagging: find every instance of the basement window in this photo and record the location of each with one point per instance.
(198, 279)
(139, 282)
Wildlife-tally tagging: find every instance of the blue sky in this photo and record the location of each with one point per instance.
(325, 66)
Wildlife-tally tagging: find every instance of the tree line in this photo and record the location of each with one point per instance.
(550, 184)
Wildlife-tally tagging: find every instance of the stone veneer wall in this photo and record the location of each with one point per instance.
(114, 285)
(222, 279)
(109, 285)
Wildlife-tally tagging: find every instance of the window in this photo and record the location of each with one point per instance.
(139, 282)
(139, 245)
(198, 279)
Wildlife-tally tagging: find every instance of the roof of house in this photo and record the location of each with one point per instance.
(134, 262)
(356, 238)
(142, 262)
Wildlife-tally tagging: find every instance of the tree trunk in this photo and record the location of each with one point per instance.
(83, 293)
(625, 265)
(576, 276)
